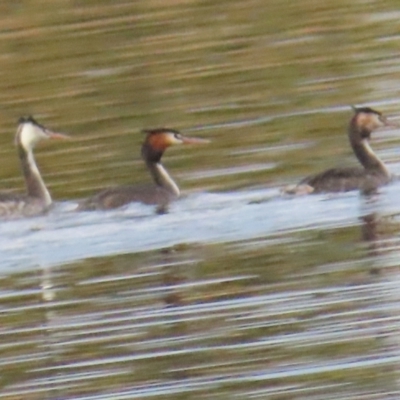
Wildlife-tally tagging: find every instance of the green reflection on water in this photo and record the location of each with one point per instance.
(102, 71)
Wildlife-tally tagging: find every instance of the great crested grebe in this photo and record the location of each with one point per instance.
(37, 200)
(374, 172)
(163, 191)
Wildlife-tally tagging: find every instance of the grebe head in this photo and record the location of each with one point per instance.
(368, 120)
(158, 140)
(162, 138)
(30, 132)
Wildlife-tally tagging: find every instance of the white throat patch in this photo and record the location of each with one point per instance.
(31, 134)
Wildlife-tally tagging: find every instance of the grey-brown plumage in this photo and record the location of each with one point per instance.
(373, 172)
(161, 192)
(37, 199)
(122, 195)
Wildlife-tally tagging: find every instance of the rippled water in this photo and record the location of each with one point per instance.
(238, 291)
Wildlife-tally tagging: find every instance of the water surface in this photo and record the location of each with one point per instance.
(238, 291)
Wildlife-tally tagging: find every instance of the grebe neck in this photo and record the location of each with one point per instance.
(359, 140)
(33, 180)
(162, 178)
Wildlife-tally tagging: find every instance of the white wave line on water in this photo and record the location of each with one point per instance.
(199, 218)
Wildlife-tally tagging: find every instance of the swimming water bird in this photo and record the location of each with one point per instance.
(373, 173)
(162, 192)
(37, 200)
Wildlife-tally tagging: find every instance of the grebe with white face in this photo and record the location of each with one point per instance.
(373, 173)
(37, 200)
(162, 191)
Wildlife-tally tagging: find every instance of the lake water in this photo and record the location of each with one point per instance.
(238, 292)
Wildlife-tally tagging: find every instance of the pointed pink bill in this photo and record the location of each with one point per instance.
(392, 124)
(193, 140)
(57, 135)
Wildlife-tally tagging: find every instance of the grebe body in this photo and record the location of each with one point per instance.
(162, 191)
(37, 199)
(373, 172)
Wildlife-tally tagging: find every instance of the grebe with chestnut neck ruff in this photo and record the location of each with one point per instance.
(373, 173)
(162, 191)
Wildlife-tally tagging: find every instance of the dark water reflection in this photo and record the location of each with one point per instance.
(237, 292)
